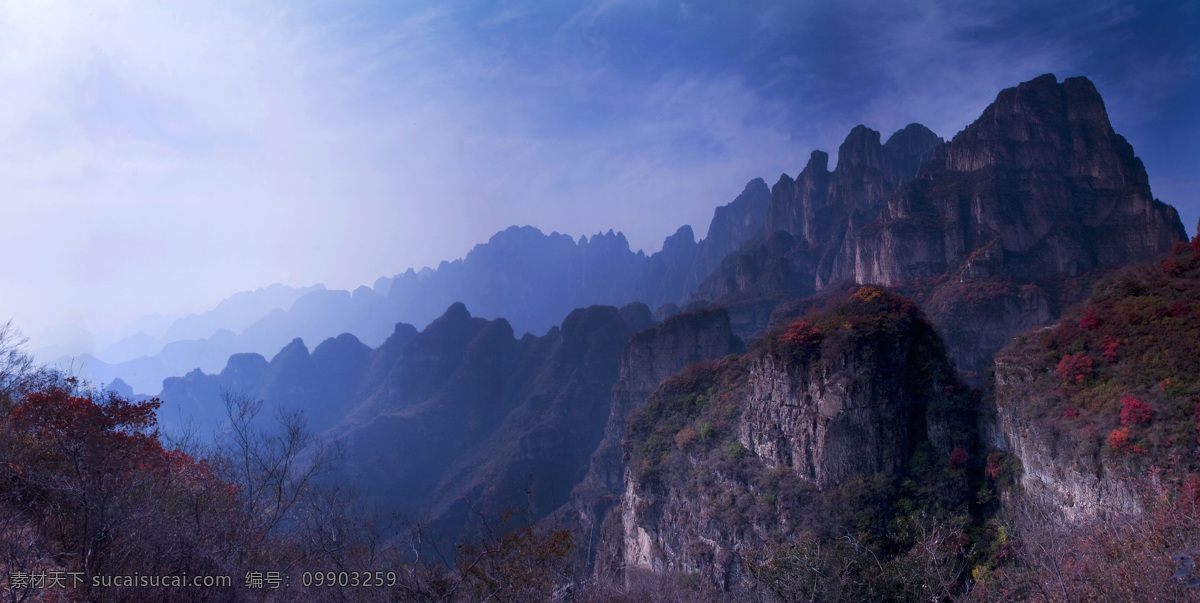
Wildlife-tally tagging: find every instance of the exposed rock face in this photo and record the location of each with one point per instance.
(650, 356)
(732, 225)
(807, 421)
(1039, 186)
(1042, 173)
(1097, 406)
(828, 424)
(1076, 487)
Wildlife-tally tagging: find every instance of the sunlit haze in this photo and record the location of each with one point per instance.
(158, 157)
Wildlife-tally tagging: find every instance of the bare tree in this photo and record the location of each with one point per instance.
(273, 467)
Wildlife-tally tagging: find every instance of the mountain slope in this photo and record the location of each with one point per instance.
(1037, 190)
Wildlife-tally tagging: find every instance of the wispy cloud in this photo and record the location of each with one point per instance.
(161, 156)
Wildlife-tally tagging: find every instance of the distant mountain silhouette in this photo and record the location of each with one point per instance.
(521, 274)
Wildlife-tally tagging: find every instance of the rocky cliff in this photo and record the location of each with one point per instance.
(1039, 189)
(741, 454)
(649, 356)
(1091, 404)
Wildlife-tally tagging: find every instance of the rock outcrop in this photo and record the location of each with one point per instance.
(1073, 487)
(740, 454)
(1100, 409)
(649, 357)
(1038, 189)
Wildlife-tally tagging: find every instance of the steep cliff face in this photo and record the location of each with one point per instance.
(1041, 173)
(650, 356)
(1038, 189)
(814, 422)
(731, 226)
(1092, 403)
(748, 452)
(1063, 475)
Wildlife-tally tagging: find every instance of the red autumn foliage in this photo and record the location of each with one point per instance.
(1070, 412)
(1089, 321)
(1177, 247)
(1134, 410)
(1075, 367)
(1118, 439)
(1171, 267)
(1108, 348)
(113, 436)
(958, 457)
(801, 332)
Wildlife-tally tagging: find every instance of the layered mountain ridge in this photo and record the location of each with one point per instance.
(521, 274)
(997, 231)
(1038, 188)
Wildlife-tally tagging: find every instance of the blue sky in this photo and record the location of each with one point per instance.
(161, 156)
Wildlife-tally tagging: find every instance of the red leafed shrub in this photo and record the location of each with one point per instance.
(958, 456)
(1118, 439)
(995, 465)
(116, 433)
(1070, 412)
(1171, 267)
(1134, 410)
(801, 331)
(1177, 247)
(1075, 367)
(1089, 321)
(1108, 348)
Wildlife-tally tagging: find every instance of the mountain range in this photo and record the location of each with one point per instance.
(996, 231)
(529, 278)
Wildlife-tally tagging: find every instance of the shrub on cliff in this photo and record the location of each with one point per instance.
(1118, 375)
(684, 445)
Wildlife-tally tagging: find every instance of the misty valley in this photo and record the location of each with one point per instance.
(947, 370)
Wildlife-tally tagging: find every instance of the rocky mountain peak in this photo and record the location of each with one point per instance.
(295, 349)
(909, 147)
(861, 149)
(1044, 125)
(457, 312)
(245, 364)
(1038, 188)
(818, 163)
(682, 242)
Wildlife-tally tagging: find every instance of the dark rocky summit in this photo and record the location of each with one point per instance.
(1038, 189)
(323, 384)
